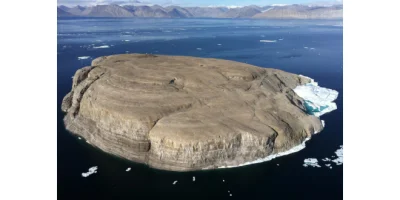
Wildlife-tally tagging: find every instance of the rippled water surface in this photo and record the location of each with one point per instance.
(313, 48)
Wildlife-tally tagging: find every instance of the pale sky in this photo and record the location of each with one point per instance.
(188, 2)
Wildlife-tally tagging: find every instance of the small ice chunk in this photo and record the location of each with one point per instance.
(194, 178)
(83, 57)
(87, 141)
(326, 159)
(129, 169)
(80, 138)
(312, 48)
(306, 47)
(267, 41)
(323, 123)
(219, 44)
(101, 47)
(199, 49)
(223, 180)
(313, 162)
(328, 165)
(126, 40)
(277, 164)
(280, 39)
(174, 182)
(91, 171)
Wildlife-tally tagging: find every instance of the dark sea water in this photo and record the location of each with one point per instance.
(240, 41)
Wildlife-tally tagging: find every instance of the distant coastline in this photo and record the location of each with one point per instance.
(295, 11)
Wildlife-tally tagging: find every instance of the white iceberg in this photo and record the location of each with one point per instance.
(268, 41)
(129, 169)
(91, 171)
(199, 49)
(174, 182)
(83, 57)
(313, 162)
(318, 100)
(101, 47)
(219, 44)
(194, 178)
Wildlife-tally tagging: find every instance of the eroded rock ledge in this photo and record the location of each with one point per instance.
(185, 113)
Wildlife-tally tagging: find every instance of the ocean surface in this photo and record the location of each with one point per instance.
(312, 48)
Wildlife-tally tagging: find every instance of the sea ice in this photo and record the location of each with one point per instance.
(101, 47)
(313, 162)
(129, 169)
(174, 182)
(318, 100)
(270, 157)
(83, 57)
(267, 40)
(339, 154)
(91, 171)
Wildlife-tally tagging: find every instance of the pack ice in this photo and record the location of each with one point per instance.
(318, 100)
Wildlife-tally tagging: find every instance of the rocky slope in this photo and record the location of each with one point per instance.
(269, 12)
(302, 12)
(185, 113)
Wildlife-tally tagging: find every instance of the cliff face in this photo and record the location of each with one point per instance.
(184, 113)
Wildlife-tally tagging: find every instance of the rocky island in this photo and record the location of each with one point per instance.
(185, 113)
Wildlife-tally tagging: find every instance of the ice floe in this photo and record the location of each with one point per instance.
(268, 41)
(129, 169)
(270, 157)
(337, 161)
(313, 162)
(174, 182)
(318, 100)
(101, 47)
(339, 154)
(91, 171)
(83, 57)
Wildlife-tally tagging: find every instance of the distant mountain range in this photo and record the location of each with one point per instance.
(294, 11)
